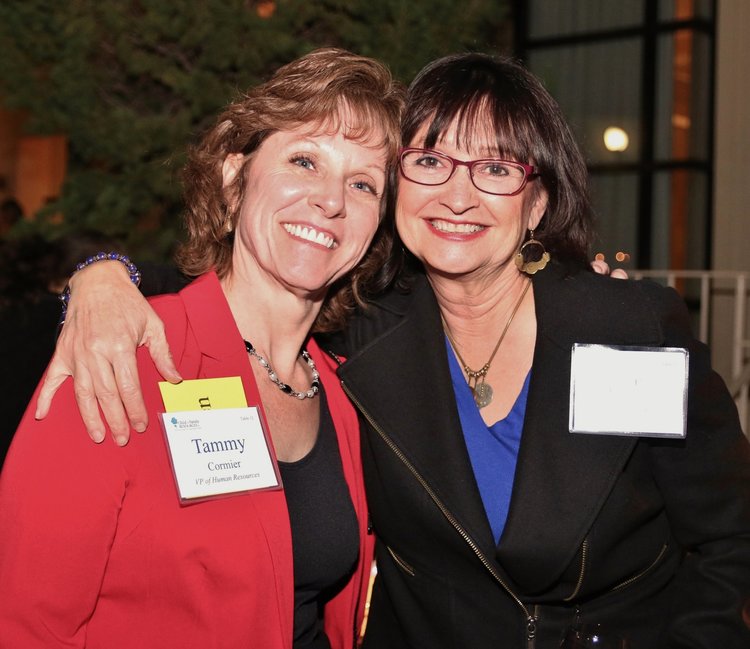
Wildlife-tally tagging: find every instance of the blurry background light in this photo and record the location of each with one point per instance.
(615, 139)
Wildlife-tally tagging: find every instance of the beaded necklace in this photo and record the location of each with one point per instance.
(285, 388)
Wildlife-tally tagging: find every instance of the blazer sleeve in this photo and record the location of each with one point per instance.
(60, 496)
(705, 482)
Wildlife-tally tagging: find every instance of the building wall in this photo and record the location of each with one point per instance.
(10, 133)
(731, 209)
(40, 170)
(732, 146)
(32, 167)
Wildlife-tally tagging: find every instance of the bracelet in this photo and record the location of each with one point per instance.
(133, 272)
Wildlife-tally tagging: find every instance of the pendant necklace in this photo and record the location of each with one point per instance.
(480, 389)
(287, 389)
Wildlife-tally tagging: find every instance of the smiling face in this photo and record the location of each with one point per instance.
(311, 207)
(455, 229)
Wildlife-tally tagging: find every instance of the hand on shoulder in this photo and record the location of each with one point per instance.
(602, 268)
(107, 319)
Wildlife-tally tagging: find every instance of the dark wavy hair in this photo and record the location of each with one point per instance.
(321, 88)
(528, 126)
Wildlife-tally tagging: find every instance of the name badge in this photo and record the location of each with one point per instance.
(639, 391)
(216, 451)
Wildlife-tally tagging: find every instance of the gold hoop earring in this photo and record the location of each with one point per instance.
(529, 265)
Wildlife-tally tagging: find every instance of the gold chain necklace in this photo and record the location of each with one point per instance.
(482, 390)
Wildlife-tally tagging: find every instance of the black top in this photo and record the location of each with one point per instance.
(325, 539)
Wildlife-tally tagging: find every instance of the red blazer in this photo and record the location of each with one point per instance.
(96, 551)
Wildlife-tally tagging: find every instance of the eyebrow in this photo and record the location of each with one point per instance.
(309, 138)
(483, 154)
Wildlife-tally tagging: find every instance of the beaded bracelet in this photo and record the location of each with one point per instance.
(133, 272)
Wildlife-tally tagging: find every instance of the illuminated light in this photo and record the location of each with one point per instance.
(599, 256)
(615, 139)
(622, 256)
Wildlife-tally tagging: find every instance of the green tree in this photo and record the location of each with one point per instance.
(132, 82)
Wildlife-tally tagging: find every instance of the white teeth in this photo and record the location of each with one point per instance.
(460, 228)
(310, 234)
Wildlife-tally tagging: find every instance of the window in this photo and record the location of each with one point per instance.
(645, 69)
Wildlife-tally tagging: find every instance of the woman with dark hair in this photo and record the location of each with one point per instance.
(521, 491)
(499, 523)
(184, 539)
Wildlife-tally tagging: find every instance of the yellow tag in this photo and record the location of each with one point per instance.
(203, 394)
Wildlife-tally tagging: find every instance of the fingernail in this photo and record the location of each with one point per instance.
(121, 440)
(97, 436)
(139, 426)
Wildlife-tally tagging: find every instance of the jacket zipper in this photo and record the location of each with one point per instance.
(531, 618)
(643, 572)
(579, 583)
(404, 566)
(531, 622)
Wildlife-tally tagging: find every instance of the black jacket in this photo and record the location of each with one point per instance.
(648, 537)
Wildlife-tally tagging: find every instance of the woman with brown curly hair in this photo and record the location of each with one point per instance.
(105, 547)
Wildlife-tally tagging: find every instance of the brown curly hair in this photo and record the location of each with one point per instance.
(310, 90)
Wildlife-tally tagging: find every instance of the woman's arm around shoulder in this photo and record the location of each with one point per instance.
(107, 319)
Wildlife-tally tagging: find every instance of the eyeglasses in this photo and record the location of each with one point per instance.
(498, 177)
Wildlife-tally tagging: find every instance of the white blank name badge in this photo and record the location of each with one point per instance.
(628, 390)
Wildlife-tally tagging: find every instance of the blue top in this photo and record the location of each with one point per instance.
(493, 450)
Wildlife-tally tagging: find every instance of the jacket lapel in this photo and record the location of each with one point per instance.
(223, 354)
(401, 381)
(563, 479)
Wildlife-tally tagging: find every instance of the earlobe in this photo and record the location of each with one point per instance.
(231, 166)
